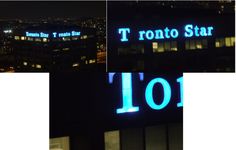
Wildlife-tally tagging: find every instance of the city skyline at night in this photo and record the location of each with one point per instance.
(52, 36)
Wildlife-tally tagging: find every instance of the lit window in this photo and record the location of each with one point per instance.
(30, 39)
(22, 38)
(75, 65)
(217, 44)
(66, 38)
(17, 38)
(91, 61)
(220, 42)
(112, 140)
(55, 50)
(25, 63)
(154, 47)
(187, 44)
(198, 44)
(192, 44)
(232, 41)
(74, 38)
(45, 39)
(228, 42)
(66, 49)
(85, 37)
(167, 46)
(38, 39)
(38, 66)
(174, 46)
(61, 143)
(83, 57)
(160, 47)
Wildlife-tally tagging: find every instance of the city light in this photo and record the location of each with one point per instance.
(166, 33)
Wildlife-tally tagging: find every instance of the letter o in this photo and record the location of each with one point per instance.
(149, 35)
(149, 93)
(174, 33)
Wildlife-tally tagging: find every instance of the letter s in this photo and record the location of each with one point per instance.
(188, 30)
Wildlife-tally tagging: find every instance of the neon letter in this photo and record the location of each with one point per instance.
(180, 80)
(123, 32)
(188, 29)
(203, 31)
(141, 33)
(159, 34)
(166, 32)
(126, 92)
(54, 34)
(149, 93)
(149, 35)
(174, 33)
(209, 31)
(196, 29)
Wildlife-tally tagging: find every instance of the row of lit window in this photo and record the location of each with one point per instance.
(192, 44)
(23, 38)
(164, 46)
(91, 61)
(154, 137)
(227, 41)
(38, 66)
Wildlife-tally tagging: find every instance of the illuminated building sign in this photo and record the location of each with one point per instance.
(167, 33)
(53, 34)
(127, 92)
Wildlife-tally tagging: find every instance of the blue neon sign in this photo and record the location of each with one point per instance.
(53, 34)
(149, 93)
(167, 33)
(127, 105)
(126, 92)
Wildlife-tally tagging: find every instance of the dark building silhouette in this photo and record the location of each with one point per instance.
(83, 108)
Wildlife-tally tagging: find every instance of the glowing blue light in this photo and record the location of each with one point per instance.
(28, 34)
(74, 33)
(149, 34)
(54, 34)
(123, 32)
(141, 33)
(149, 93)
(126, 92)
(166, 32)
(174, 33)
(141, 76)
(44, 35)
(209, 33)
(196, 31)
(188, 30)
(180, 80)
(110, 77)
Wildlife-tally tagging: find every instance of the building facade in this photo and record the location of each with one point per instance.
(100, 112)
(171, 36)
(54, 48)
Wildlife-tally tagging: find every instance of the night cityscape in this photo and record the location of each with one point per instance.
(116, 67)
(170, 36)
(52, 41)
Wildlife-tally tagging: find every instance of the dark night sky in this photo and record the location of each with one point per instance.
(29, 10)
